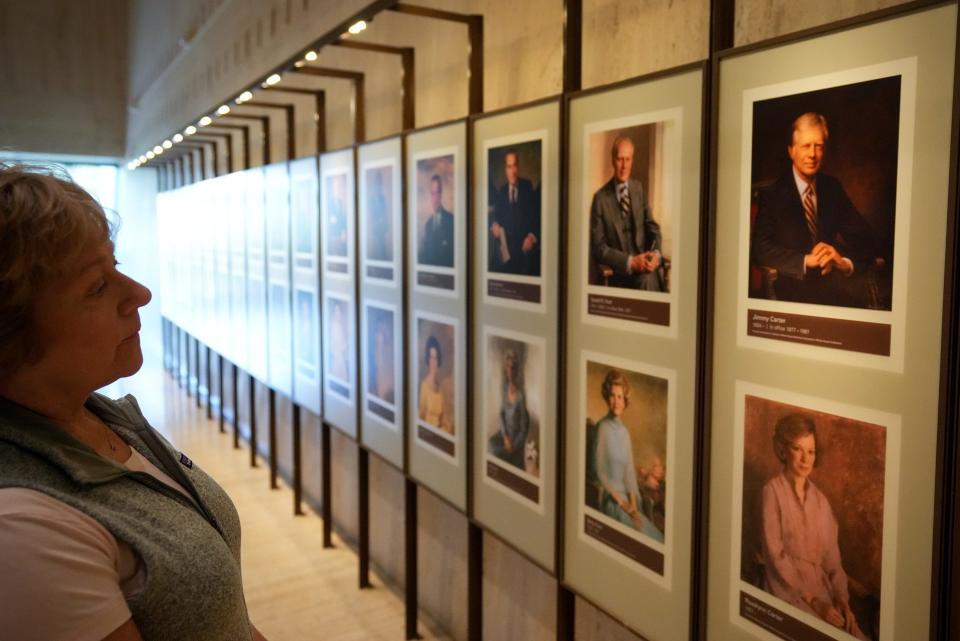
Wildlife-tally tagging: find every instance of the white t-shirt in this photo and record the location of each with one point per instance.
(63, 576)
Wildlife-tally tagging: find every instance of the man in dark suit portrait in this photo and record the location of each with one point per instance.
(624, 237)
(515, 223)
(808, 230)
(436, 247)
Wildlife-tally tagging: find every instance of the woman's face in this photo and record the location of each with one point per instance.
(801, 455)
(617, 400)
(88, 322)
(433, 360)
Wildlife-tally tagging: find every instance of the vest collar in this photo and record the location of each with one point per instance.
(40, 436)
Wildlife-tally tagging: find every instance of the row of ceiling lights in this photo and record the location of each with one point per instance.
(223, 110)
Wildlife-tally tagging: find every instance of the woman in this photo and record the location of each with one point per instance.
(800, 552)
(615, 468)
(431, 393)
(509, 441)
(98, 514)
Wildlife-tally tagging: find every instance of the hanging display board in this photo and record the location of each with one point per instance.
(257, 336)
(223, 201)
(305, 242)
(381, 300)
(338, 253)
(277, 215)
(515, 233)
(235, 227)
(436, 322)
(831, 212)
(634, 222)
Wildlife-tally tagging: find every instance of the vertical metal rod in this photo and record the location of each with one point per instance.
(291, 133)
(360, 111)
(411, 574)
(363, 527)
(236, 406)
(475, 29)
(223, 429)
(474, 582)
(327, 494)
(196, 369)
(297, 469)
(409, 89)
(209, 372)
(566, 613)
(321, 121)
(572, 44)
(253, 422)
(272, 436)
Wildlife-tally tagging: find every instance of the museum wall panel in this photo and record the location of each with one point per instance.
(386, 521)
(519, 600)
(761, 19)
(64, 77)
(442, 563)
(343, 485)
(623, 38)
(310, 461)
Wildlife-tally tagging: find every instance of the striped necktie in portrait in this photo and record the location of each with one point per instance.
(810, 211)
(625, 202)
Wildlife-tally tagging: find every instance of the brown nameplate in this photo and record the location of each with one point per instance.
(515, 482)
(773, 620)
(435, 440)
(631, 309)
(432, 279)
(626, 545)
(514, 291)
(835, 333)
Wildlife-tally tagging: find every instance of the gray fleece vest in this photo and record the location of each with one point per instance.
(191, 555)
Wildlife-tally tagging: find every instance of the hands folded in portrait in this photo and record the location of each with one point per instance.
(825, 258)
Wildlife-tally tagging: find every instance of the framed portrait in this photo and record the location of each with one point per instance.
(379, 210)
(436, 235)
(513, 193)
(306, 353)
(627, 411)
(382, 363)
(813, 559)
(838, 318)
(338, 334)
(435, 390)
(436, 221)
(304, 213)
(513, 412)
(629, 220)
(337, 215)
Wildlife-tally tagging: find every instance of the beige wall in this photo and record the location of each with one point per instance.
(63, 76)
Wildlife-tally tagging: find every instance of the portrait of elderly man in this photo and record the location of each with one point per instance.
(809, 231)
(624, 237)
(515, 222)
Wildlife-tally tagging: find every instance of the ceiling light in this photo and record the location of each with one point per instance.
(177, 137)
(189, 131)
(131, 165)
(158, 150)
(206, 120)
(245, 96)
(310, 56)
(167, 144)
(272, 80)
(357, 27)
(142, 159)
(223, 110)
(151, 155)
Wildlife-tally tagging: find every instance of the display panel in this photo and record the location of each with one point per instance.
(340, 309)
(824, 164)
(277, 214)
(633, 217)
(257, 354)
(381, 219)
(235, 221)
(436, 245)
(515, 315)
(305, 239)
